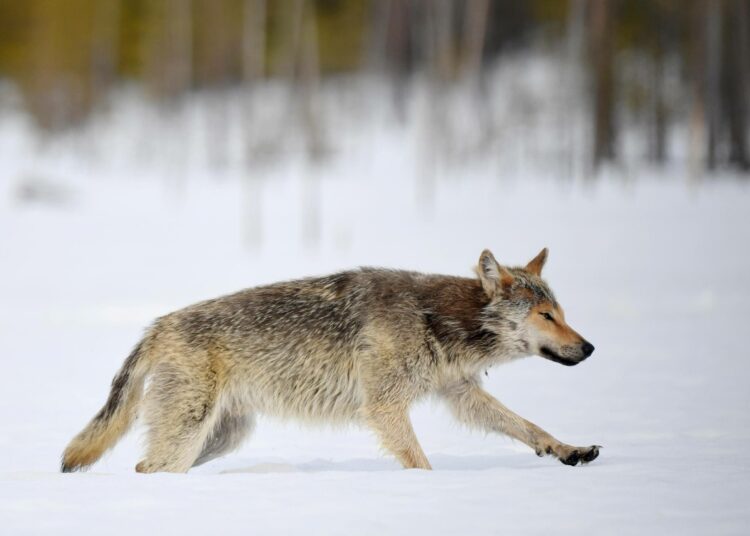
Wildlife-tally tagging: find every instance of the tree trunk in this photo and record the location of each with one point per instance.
(604, 83)
(474, 33)
(104, 46)
(713, 78)
(658, 145)
(399, 51)
(735, 82)
(699, 107)
(253, 65)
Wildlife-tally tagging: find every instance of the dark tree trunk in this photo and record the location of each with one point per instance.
(399, 50)
(601, 13)
(735, 83)
(658, 150)
(104, 46)
(699, 108)
(475, 30)
(713, 78)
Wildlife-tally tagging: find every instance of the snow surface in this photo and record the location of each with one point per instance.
(652, 270)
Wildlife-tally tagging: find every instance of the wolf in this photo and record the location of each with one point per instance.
(357, 346)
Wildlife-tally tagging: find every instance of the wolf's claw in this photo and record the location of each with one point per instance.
(591, 455)
(572, 458)
(582, 456)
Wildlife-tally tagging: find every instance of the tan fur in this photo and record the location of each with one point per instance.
(359, 346)
(537, 263)
(559, 329)
(102, 433)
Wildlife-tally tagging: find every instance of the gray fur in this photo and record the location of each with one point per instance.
(357, 346)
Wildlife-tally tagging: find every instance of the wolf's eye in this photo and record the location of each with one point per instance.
(547, 316)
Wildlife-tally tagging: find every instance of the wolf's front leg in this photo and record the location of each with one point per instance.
(475, 407)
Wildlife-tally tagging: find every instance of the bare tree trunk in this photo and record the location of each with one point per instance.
(216, 56)
(735, 82)
(699, 108)
(253, 40)
(377, 53)
(476, 13)
(443, 54)
(658, 145)
(713, 78)
(253, 71)
(572, 130)
(310, 79)
(104, 46)
(253, 65)
(437, 42)
(300, 67)
(400, 51)
(604, 83)
(303, 72)
(104, 52)
(474, 32)
(179, 63)
(176, 65)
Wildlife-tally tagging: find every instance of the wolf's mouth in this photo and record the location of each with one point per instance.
(552, 356)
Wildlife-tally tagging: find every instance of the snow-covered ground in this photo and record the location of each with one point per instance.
(652, 270)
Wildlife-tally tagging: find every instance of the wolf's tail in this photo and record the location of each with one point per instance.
(114, 419)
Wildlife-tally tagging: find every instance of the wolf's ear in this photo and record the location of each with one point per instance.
(537, 263)
(491, 274)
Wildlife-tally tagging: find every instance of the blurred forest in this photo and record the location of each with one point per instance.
(651, 66)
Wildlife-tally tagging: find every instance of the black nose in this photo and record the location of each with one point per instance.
(587, 348)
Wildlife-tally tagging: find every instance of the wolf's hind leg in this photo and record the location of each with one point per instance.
(392, 425)
(227, 434)
(180, 413)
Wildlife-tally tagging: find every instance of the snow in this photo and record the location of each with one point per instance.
(652, 270)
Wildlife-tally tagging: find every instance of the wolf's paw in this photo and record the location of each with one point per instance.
(581, 455)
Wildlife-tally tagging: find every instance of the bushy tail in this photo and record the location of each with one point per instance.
(114, 419)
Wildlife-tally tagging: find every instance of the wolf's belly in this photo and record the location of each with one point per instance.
(310, 388)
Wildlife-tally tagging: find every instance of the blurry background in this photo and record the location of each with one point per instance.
(173, 89)
(588, 81)
(154, 153)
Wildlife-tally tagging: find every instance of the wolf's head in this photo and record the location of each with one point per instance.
(524, 313)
